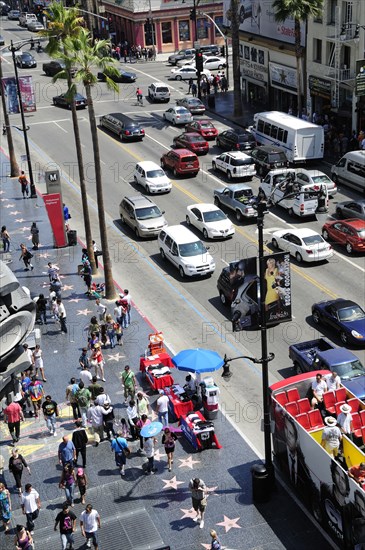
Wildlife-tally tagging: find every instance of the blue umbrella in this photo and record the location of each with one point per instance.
(198, 360)
(151, 429)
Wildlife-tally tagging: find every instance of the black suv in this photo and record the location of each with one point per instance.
(236, 140)
(123, 126)
(182, 54)
(268, 158)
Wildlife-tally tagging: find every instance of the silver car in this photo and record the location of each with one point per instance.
(142, 215)
(351, 209)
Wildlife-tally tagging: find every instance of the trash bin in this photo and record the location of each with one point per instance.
(72, 237)
(211, 101)
(260, 483)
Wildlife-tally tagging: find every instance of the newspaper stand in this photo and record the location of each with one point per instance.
(156, 343)
(210, 397)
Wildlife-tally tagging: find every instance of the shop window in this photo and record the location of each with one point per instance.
(317, 50)
(184, 31)
(331, 12)
(149, 34)
(330, 54)
(166, 32)
(202, 27)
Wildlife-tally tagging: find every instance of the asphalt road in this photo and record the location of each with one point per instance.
(189, 312)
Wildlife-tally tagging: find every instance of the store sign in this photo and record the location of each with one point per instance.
(253, 63)
(283, 77)
(360, 78)
(54, 207)
(319, 87)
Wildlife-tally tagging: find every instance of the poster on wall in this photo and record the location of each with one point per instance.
(360, 78)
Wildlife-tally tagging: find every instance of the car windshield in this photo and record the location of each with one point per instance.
(148, 213)
(352, 313)
(182, 111)
(206, 125)
(321, 179)
(196, 138)
(242, 162)
(26, 56)
(214, 216)
(350, 370)
(192, 249)
(158, 173)
(277, 157)
(313, 239)
(361, 233)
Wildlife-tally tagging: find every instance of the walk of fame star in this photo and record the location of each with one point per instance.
(76, 300)
(191, 513)
(172, 483)
(20, 220)
(229, 523)
(83, 311)
(116, 357)
(14, 213)
(188, 462)
(68, 287)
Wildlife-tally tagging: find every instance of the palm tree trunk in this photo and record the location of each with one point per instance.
(80, 162)
(299, 55)
(235, 28)
(14, 168)
(108, 274)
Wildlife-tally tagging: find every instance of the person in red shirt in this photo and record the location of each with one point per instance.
(357, 472)
(13, 414)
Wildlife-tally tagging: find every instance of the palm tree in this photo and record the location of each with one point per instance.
(62, 23)
(235, 31)
(14, 168)
(88, 56)
(299, 10)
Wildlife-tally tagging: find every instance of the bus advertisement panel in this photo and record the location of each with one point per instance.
(322, 483)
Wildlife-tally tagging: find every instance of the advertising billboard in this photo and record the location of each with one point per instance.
(11, 96)
(360, 78)
(258, 17)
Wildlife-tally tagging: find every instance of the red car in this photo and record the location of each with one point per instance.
(349, 233)
(193, 141)
(203, 127)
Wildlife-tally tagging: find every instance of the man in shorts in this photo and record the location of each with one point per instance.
(90, 523)
(120, 447)
(199, 500)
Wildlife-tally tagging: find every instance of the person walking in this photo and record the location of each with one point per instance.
(36, 393)
(110, 330)
(5, 507)
(13, 415)
(128, 383)
(52, 271)
(38, 361)
(55, 288)
(215, 543)
(66, 519)
(101, 309)
(5, 238)
(149, 449)
(80, 440)
(62, 315)
(143, 405)
(102, 397)
(66, 451)
(83, 397)
(199, 499)
(95, 416)
(331, 436)
(194, 89)
(168, 440)
(109, 418)
(86, 376)
(50, 413)
(132, 418)
(31, 505)
(162, 405)
(26, 256)
(23, 539)
(143, 421)
(82, 482)
(191, 82)
(97, 361)
(71, 390)
(95, 388)
(84, 359)
(42, 309)
(67, 482)
(17, 463)
(120, 447)
(90, 523)
(34, 231)
(24, 184)
(126, 301)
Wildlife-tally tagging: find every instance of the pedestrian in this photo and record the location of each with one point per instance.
(17, 463)
(168, 440)
(52, 271)
(5, 507)
(191, 82)
(344, 420)
(86, 376)
(121, 450)
(83, 397)
(82, 482)
(162, 405)
(132, 418)
(126, 300)
(13, 415)
(26, 256)
(80, 440)
(95, 416)
(24, 184)
(25, 383)
(5, 238)
(101, 309)
(66, 213)
(42, 309)
(67, 521)
(143, 405)
(149, 449)
(97, 253)
(86, 274)
(110, 330)
(143, 421)
(34, 231)
(97, 361)
(67, 482)
(199, 500)
(124, 430)
(194, 89)
(38, 361)
(62, 315)
(71, 390)
(54, 308)
(55, 287)
(23, 539)
(31, 505)
(331, 436)
(215, 544)
(128, 383)
(102, 397)
(95, 388)
(50, 413)
(93, 329)
(66, 451)
(224, 83)
(36, 393)
(118, 333)
(84, 359)
(90, 523)
(29, 354)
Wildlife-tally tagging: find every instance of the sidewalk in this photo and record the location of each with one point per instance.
(137, 512)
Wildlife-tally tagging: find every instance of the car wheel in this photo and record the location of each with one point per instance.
(135, 180)
(220, 67)
(349, 248)
(260, 171)
(178, 77)
(136, 232)
(163, 165)
(298, 257)
(187, 220)
(229, 176)
(121, 138)
(54, 102)
(291, 212)
(339, 213)
(122, 220)
(214, 166)
(205, 234)
(223, 298)
(148, 190)
(297, 368)
(175, 173)
(218, 143)
(316, 317)
(164, 116)
(238, 215)
(274, 242)
(334, 178)
(325, 235)
(162, 254)
(181, 271)
(343, 337)
(216, 201)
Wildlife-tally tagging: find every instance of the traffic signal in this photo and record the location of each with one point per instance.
(111, 25)
(199, 61)
(193, 14)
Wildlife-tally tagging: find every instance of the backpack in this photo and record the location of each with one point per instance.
(82, 398)
(75, 389)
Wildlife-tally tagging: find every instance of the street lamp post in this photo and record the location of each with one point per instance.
(225, 38)
(13, 49)
(14, 168)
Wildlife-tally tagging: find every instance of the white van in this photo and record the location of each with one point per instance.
(185, 251)
(25, 18)
(350, 170)
(280, 182)
(301, 140)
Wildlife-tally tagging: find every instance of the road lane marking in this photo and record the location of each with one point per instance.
(60, 127)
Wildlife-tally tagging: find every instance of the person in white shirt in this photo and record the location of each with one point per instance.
(331, 436)
(90, 523)
(102, 397)
(52, 271)
(100, 309)
(62, 315)
(319, 386)
(162, 405)
(95, 415)
(149, 449)
(86, 376)
(344, 420)
(333, 381)
(125, 296)
(31, 504)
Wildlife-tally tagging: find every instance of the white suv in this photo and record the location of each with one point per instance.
(151, 176)
(158, 92)
(235, 165)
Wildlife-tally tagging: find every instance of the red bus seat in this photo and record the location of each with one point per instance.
(292, 408)
(304, 405)
(315, 419)
(363, 435)
(281, 397)
(338, 405)
(354, 404)
(340, 394)
(362, 417)
(303, 420)
(329, 401)
(356, 424)
(293, 394)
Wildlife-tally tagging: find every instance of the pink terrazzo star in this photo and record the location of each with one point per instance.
(229, 524)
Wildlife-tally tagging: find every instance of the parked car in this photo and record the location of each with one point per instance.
(124, 76)
(203, 127)
(35, 26)
(187, 72)
(211, 63)
(235, 165)
(210, 220)
(188, 53)
(193, 141)
(2, 40)
(182, 162)
(25, 60)
(177, 115)
(268, 158)
(51, 68)
(193, 104)
(303, 243)
(236, 140)
(25, 18)
(344, 316)
(152, 177)
(123, 126)
(349, 233)
(351, 209)
(157, 91)
(4, 8)
(13, 15)
(317, 178)
(142, 215)
(63, 100)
